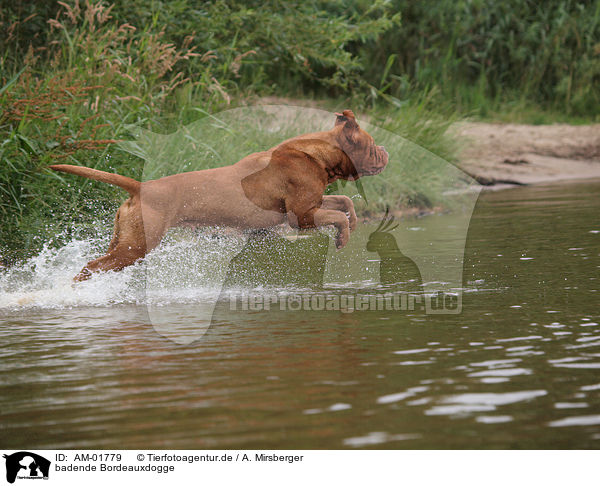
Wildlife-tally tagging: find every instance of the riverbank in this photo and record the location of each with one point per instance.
(527, 154)
(503, 154)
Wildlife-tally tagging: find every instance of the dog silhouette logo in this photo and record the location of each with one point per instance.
(27, 465)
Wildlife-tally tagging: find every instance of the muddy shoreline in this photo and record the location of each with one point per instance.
(513, 154)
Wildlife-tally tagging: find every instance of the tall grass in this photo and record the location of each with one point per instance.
(486, 55)
(70, 100)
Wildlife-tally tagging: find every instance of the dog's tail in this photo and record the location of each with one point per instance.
(130, 185)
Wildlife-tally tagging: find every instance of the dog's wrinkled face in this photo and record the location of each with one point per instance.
(368, 159)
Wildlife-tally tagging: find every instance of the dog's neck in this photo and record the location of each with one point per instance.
(324, 149)
(340, 168)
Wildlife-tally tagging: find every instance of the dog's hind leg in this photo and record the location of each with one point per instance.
(132, 239)
(114, 260)
(115, 236)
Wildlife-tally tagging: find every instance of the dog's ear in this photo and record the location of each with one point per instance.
(349, 126)
(347, 119)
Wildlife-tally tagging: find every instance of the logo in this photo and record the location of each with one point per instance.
(26, 465)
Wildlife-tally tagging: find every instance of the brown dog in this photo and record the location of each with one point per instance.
(265, 189)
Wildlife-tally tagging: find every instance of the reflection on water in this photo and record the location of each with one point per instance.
(518, 368)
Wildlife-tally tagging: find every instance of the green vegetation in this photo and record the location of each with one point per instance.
(489, 57)
(78, 76)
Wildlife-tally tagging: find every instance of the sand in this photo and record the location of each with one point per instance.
(528, 154)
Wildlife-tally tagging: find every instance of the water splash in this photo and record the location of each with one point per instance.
(181, 270)
(45, 281)
(188, 267)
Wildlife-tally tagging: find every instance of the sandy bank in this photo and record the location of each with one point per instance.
(528, 154)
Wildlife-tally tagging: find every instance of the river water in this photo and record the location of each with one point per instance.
(518, 367)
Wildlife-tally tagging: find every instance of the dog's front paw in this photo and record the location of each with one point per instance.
(352, 220)
(342, 239)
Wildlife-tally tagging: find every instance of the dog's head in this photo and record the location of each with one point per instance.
(367, 158)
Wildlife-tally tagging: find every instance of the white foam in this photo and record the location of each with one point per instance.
(183, 271)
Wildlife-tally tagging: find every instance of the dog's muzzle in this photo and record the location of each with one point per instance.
(381, 160)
